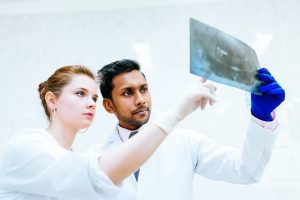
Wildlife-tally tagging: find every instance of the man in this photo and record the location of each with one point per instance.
(168, 174)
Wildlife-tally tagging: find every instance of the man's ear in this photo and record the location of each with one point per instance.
(108, 105)
(50, 99)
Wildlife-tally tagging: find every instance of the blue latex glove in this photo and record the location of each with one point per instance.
(272, 96)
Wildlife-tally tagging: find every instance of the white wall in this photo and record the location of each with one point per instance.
(34, 44)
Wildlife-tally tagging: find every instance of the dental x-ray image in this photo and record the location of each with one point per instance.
(220, 57)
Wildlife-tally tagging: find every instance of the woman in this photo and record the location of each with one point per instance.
(40, 164)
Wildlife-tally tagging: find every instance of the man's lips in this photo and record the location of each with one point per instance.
(141, 110)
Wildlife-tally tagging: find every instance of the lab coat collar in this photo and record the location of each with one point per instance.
(115, 138)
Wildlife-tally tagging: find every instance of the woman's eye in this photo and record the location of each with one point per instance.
(95, 99)
(80, 94)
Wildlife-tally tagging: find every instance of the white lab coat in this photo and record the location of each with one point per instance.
(34, 166)
(169, 173)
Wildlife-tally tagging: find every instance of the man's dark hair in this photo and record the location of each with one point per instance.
(106, 74)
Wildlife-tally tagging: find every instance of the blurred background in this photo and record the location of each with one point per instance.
(38, 36)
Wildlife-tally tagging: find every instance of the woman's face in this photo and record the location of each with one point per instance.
(76, 105)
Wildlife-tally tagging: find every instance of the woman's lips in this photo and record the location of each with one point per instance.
(89, 114)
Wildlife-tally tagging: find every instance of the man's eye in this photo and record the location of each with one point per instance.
(80, 94)
(144, 90)
(127, 93)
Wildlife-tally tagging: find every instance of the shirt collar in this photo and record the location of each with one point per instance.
(124, 133)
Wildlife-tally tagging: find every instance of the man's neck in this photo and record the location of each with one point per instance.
(130, 128)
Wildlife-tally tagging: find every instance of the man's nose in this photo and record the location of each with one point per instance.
(139, 99)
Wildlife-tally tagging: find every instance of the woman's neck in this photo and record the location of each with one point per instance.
(63, 135)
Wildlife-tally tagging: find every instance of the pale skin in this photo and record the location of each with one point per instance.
(72, 110)
(75, 109)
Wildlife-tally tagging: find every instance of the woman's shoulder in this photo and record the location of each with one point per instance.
(29, 134)
(30, 143)
(29, 138)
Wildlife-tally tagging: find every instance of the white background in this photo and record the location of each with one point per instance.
(38, 36)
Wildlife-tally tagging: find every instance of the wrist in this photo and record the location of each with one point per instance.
(261, 116)
(270, 125)
(167, 121)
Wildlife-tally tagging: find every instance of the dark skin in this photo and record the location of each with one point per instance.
(131, 100)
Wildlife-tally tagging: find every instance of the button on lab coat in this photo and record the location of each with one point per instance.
(169, 173)
(34, 166)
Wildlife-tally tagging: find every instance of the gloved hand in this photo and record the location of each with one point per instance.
(272, 96)
(193, 99)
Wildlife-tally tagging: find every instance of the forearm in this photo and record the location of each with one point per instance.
(120, 162)
(257, 149)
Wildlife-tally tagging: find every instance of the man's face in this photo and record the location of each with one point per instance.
(131, 101)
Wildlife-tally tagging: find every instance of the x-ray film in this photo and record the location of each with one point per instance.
(220, 57)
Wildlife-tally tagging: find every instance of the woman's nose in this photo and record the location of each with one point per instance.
(91, 103)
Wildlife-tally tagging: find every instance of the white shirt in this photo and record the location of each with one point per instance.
(169, 173)
(34, 166)
(124, 133)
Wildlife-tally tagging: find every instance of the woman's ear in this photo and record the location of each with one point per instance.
(108, 105)
(50, 99)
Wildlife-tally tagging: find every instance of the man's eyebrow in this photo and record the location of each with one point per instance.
(131, 87)
(126, 88)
